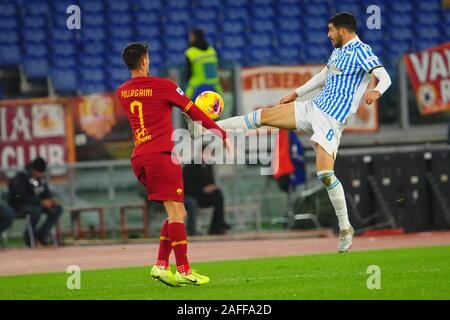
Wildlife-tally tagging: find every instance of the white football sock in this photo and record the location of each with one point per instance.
(336, 195)
(248, 122)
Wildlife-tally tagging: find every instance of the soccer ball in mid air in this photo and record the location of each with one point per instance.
(211, 103)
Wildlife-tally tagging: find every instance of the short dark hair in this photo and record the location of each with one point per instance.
(344, 20)
(39, 164)
(133, 53)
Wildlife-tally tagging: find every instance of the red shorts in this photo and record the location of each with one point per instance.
(160, 175)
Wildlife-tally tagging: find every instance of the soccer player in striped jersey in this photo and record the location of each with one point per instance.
(344, 81)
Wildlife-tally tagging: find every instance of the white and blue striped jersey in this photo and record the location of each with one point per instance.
(348, 76)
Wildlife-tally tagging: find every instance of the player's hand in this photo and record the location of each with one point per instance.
(229, 148)
(47, 203)
(372, 96)
(289, 98)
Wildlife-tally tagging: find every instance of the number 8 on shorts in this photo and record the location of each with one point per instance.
(330, 134)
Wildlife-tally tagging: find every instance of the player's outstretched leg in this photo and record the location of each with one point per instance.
(178, 241)
(280, 116)
(161, 270)
(325, 173)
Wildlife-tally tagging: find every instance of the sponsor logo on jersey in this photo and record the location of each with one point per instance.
(180, 91)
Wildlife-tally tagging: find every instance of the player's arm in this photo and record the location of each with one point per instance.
(314, 83)
(384, 82)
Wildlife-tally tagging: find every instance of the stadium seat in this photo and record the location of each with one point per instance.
(8, 23)
(210, 4)
(428, 6)
(94, 61)
(92, 47)
(317, 53)
(118, 6)
(63, 48)
(232, 13)
(91, 74)
(264, 12)
(37, 50)
(312, 38)
(93, 20)
(146, 17)
(93, 34)
(289, 55)
(428, 33)
(64, 80)
(180, 4)
(176, 43)
(36, 22)
(63, 61)
(116, 46)
(423, 44)
(37, 7)
(263, 25)
(154, 5)
(233, 26)
(8, 9)
(427, 18)
(35, 68)
(231, 55)
(206, 14)
(233, 41)
(116, 76)
(289, 11)
(290, 39)
(258, 55)
(9, 37)
(237, 3)
(120, 32)
(316, 23)
(10, 54)
(260, 39)
(59, 34)
(175, 58)
(401, 34)
(92, 6)
(59, 7)
(400, 19)
(401, 6)
(175, 30)
(370, 36)
(289, 24)
(34, 35)
(119, 19)
(177, 16)
(92, 87)
(316, 8)
(115, 60)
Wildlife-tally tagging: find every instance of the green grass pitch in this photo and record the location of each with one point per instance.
(415, 273)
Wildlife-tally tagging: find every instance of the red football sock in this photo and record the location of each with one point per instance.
(178, 241)
(164, 246)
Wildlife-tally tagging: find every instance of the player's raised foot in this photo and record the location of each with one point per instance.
(345, 239)
(195, 130)
(194, 278)
(165, 276)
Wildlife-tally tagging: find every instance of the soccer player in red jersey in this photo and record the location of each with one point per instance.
(148, 103)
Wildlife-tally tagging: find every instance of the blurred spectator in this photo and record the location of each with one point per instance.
(6, 217)
(191, 208)
(29, 194)
(201, 66)
(199, 184)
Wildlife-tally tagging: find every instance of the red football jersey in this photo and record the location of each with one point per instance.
(148, 103)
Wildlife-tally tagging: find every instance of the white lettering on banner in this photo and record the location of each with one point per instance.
(20, 124)
(438, 67)
(421, 68)
(445, 90)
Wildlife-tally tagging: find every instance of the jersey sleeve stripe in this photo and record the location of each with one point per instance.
(189, 105)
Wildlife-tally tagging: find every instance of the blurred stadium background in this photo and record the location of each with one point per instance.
(396, 175)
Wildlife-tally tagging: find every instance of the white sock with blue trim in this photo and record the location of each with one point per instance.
(337, 196)
(250, 121)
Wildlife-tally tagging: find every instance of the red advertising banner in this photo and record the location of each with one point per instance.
(429, 71)
(32, 128)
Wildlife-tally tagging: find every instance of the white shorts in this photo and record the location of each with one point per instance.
(325, 130)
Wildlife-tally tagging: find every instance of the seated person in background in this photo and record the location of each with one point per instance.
(29, 194)
(191, 209)
(6, 218)
(199, 184)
